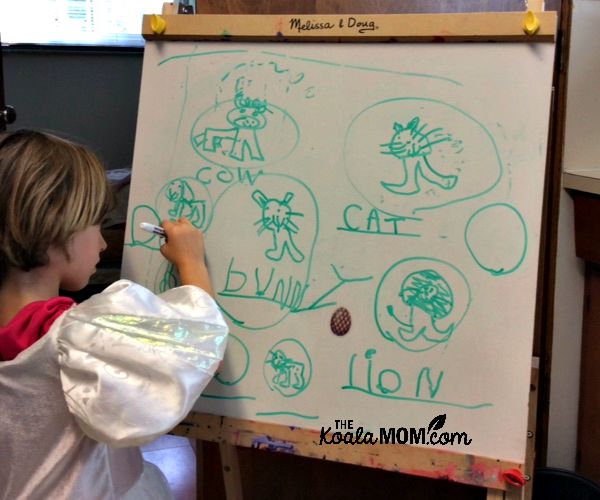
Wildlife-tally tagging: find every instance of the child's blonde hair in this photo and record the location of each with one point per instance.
(50, 189)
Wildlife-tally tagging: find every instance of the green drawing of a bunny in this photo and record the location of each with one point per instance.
(276, 217)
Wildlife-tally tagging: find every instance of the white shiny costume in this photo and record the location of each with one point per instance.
(112, 373)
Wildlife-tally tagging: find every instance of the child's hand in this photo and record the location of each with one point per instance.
(184, 248)
(184, 245)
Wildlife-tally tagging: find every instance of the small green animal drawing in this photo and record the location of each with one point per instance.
(247, 116)
(184, 201)
(277, 217)
(413, 145)
(426, 291)
(288, 373)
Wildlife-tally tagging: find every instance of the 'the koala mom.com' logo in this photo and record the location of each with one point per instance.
(344, 433)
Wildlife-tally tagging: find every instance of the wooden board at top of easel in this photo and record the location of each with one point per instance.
(463, 27)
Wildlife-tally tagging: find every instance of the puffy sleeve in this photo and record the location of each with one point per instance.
(132, 363)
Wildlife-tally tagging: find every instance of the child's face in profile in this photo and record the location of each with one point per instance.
(84, 249)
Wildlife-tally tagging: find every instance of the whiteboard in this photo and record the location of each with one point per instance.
(372, 217)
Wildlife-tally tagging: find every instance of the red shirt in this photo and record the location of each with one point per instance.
(30, 324)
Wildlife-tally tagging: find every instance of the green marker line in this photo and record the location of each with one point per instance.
(214, 396)
(342, 281)
(366, 68)
(402, 218)
(401, 73)
(282, 413)
(418, 400)
(276, 68)
(314, 307)
(317, 61)
(276, 54)
(414, 235)
(443, 78)
(254, 297)
(214, 52)
(231, 316)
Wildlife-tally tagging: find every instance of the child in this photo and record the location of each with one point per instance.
(82, 386)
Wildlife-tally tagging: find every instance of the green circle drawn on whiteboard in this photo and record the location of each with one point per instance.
(249, 164)
(220, 379)
(221, 303)
(287, 367)
(421, 342)
(478, 260)
(371, 199)
(185, 204)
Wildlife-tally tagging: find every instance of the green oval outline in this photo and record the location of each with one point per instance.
(296, 341)
(429, 259)
(312, 248)
(211, 209)
(239, 379)
(442, 103)
(501, 272)
(262, 164)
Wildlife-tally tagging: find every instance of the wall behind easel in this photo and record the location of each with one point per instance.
(582, 151)
(88, 95)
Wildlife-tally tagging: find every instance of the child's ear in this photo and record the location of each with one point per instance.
(259, 198)
(398, 127)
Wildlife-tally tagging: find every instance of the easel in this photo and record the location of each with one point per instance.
(229, 432)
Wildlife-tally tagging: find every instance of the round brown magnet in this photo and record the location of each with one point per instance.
(340, 321)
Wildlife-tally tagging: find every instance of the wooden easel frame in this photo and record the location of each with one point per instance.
(426, 462)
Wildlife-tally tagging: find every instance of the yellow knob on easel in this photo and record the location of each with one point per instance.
(157, 24)
(531, 23)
